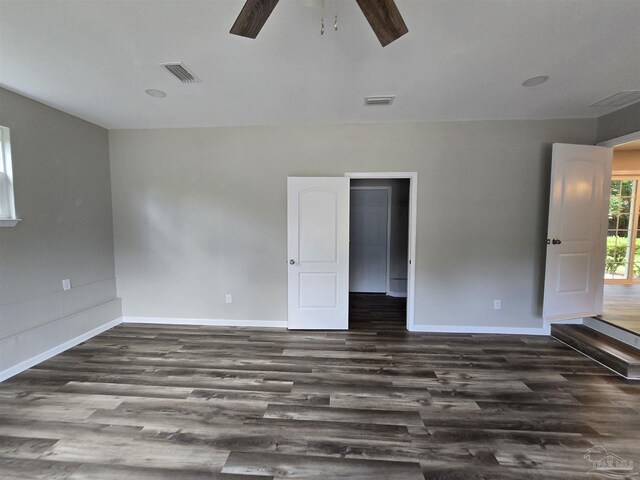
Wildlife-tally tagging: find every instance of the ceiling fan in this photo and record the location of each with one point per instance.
(383, 16)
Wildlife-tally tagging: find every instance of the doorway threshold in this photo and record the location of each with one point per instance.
(614, 331)
(613, 324)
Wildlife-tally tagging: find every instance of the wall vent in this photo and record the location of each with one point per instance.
(618, 99)
(379, 100)
(181, 72)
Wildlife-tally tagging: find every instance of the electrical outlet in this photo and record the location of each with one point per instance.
(66, 284)
(497, 304)
(227, 298)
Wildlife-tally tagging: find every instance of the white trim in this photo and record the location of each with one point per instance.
(397, 294)
(629, 137)
(613, 142)
(381, 175)
(568, 321)
(10, 222)
(413, 225)
(481, 329)
(389, 212)
(211, 322)
(30, 362)
(7, 196)
(387, 280)
(564, 319)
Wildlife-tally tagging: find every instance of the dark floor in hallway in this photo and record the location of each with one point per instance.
(377, 402)
(373, 311)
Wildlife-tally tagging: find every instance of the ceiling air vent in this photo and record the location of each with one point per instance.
(181, 72)
(618, 99)
(379, 100)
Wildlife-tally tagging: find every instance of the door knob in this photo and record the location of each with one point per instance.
(292, 262)
(556, 241)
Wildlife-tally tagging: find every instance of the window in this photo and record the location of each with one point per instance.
(7, 206)
(623, 244)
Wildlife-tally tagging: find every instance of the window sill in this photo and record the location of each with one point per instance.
(9, 222)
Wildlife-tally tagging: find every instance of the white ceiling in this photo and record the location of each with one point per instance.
(462, 59)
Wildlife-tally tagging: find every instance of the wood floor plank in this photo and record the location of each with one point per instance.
(307, 466)
(351, 415)
(128, 389)
(35, 469)
(57, 429)
(25, 447)
(140, 453)
(90, 471)
(308, 429)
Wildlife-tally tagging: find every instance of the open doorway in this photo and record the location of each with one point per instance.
(379, 253)
(621, 305)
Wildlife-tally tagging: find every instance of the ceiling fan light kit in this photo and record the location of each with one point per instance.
(383, 17)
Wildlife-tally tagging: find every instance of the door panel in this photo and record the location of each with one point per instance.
(317, 217)
(318, 247)
(573, 272)
(578, 208)
(318, 290)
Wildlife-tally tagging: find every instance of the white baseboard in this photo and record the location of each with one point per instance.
(24, 365)
(211, 322)
(397, 294)
(545, 330)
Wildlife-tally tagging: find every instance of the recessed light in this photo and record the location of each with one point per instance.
(534, 81)
(155, 93)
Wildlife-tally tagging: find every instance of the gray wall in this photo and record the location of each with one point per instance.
(202, 212)
(399, 229)
(619, 123)
(63, 195)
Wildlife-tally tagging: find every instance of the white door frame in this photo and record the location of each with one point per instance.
(413, 222)
(629, 137)
(387, 285)
(613, 142)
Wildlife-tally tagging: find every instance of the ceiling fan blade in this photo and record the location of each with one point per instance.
(384, 18)
(252, 17)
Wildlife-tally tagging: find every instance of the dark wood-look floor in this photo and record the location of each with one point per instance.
(186, 402)
(622, 306)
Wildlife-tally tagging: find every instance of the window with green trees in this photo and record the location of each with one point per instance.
(623, 249)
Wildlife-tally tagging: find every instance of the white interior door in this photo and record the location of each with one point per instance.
(318, 246)
(578, 208)
(369, 235)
